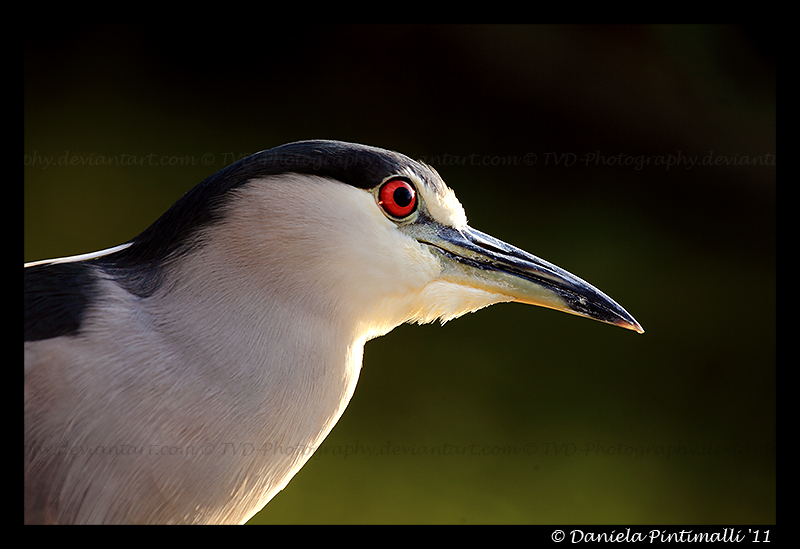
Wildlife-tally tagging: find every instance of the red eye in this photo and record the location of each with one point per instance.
(397, 197)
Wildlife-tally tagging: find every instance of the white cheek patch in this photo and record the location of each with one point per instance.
(445, 208)
(440, 200)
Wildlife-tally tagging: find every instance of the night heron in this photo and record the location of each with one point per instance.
(240, 316)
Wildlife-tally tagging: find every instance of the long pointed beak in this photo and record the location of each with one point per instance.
(476, 259)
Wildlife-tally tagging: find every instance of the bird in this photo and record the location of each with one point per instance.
(240, 315)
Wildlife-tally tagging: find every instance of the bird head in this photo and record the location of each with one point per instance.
(369, 233)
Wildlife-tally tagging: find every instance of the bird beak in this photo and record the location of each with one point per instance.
(475, 259)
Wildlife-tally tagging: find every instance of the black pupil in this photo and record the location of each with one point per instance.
(402, 196)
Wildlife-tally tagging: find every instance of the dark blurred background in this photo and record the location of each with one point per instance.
(641, 158)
